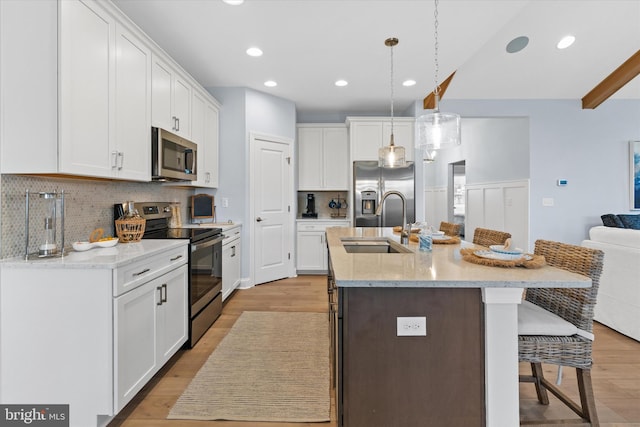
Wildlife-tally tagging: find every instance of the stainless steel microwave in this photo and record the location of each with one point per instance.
(173, 158)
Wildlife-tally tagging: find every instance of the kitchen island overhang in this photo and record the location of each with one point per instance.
(500, 291)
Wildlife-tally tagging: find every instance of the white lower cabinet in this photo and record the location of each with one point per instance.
(311, 244)
(150, 327)
(231, 261)
(91, 334)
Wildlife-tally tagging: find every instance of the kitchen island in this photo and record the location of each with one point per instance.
(456, 361)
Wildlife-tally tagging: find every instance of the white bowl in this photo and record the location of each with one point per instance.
(82, 246)
(107, 243)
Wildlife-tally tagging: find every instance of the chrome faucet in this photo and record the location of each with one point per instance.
(404, 234)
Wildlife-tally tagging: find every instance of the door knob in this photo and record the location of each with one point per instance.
(259, 219)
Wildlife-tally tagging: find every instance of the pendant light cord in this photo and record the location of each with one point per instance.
(392, 93)
(436, 90)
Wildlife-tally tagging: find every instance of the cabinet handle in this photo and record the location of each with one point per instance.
(174, 118)
(121, 158)
(114, 159)
(164, 288)
(176, 258)
(178, 124)
(159, 288)
(207, 177)
(233, 251)
(142, 272)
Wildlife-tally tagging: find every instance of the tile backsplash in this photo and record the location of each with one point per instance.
(88, 205)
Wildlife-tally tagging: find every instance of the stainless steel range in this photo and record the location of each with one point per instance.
(205, 263)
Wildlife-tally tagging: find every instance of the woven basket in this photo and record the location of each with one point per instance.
(130, 229)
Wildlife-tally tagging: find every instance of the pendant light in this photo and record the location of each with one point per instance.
(437, 130)
(391, 155)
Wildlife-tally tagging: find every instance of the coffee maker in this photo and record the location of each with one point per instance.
(311, 207)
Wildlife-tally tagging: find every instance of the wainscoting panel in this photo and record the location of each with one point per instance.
(499, 206)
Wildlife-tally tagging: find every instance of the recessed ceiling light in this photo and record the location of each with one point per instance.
(517, 44)
(270, 83)
(409, 83)
(233, 2)
(565, 42)
(254, 51)
(341, 83)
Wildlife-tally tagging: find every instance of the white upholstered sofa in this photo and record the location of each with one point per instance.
(618, 303)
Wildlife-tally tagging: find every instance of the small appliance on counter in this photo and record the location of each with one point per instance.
(203, 208)
(311, 207)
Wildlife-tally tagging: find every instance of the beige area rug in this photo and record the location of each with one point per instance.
(271, 366)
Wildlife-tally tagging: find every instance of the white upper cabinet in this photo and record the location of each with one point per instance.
(368, 134)
(97, 114)
(204, 132)
(323, 157)
(133, 107)
(210, 157)
(81, 86)
(171, 95)
(87, 77)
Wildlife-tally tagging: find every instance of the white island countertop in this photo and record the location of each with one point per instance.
(443, 267)
(117, 256)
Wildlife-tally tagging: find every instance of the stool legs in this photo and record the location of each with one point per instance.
(538, 377)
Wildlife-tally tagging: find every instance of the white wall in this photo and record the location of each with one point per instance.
(589, 148)
(245, 110)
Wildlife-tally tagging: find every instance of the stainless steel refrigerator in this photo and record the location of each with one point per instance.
(370, 182)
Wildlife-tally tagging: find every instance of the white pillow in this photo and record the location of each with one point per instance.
(535, 320)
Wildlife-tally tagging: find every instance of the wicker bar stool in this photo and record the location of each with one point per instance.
(573, 307)
(450, 229)
(487, 237)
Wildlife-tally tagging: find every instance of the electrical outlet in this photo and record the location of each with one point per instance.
(412, 326)
(225, 202)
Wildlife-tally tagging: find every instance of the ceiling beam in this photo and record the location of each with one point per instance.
(614, 81)
(429, 103)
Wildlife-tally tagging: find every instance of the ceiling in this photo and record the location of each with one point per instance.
(309, 44)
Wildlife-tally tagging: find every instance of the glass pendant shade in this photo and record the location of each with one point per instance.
(391, 156)
(436, 131)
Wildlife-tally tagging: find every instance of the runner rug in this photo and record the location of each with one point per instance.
(271, 366)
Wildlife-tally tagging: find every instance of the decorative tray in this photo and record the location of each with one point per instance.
(495, 259)
(445, 240)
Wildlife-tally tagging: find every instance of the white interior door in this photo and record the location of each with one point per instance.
(271, 199)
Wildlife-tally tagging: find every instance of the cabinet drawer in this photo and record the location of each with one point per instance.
(321, 226)
(230, 235)
(134, 275)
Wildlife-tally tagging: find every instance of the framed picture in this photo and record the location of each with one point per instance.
(634, 169)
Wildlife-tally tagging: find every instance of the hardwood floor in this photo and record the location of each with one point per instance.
(616, 371)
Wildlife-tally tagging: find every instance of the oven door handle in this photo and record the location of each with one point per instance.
(205, 244)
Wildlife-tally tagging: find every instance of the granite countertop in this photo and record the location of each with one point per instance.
(443, 267)
(98, 258)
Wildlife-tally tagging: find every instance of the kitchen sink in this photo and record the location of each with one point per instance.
(363, 245)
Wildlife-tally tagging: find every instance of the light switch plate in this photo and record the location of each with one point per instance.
(412, 326)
